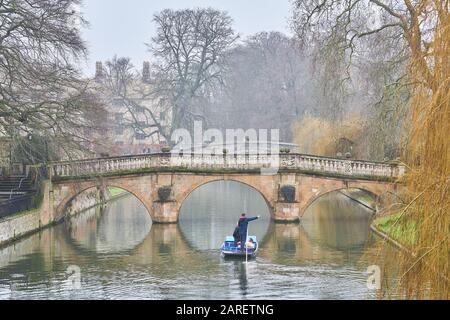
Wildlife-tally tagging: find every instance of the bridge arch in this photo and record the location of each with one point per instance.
(188, 191)
(373, 193)
(78, 189)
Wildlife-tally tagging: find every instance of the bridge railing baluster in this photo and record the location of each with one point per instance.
(354, 167)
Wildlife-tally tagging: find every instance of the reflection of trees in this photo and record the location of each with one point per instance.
(211, 212)
(122, 225)
(117, 234)
(289, 244)
(336, 206)
(333, 227)
(339, 235)
(337, 222)
(37, 259)
(125, 232)
(164, 252)
(163, 244)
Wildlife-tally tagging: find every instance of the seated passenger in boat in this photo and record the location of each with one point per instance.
(250, 244)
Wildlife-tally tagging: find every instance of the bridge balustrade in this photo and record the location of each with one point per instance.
(197, 162)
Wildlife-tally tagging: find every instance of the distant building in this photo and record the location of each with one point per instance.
(130, 129)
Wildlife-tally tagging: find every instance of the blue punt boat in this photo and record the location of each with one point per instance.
(229, 249)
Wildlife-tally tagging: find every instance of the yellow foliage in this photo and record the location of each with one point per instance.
(319, 136)
(427, 274)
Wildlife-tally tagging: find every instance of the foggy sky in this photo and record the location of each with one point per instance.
(123, 27)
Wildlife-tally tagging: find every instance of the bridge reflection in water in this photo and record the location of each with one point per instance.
(122, 255)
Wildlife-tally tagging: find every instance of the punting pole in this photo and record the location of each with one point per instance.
(246, 249)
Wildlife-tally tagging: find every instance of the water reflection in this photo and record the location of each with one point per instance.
(333, 230)
(109, 230)
(122, 255)
(211, 212)
(240, 270)
(338, 223)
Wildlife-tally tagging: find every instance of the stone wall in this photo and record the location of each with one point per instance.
(22, 224)
(19, 225)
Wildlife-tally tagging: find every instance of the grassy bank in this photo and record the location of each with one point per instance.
(116, 191)
(398, 228)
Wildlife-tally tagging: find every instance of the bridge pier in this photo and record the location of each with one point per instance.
(286, 212)
(168, 212)
(165, 212)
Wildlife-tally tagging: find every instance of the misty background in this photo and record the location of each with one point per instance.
(271, 81)
(130, 74)
(123, 28)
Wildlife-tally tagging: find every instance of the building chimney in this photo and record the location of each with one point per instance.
(98, 70)
(146, 71)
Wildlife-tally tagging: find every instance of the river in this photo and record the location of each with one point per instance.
(117, 253)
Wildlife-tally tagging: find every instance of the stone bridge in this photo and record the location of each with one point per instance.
(289, 183)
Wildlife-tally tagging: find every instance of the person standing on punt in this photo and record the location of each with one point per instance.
(236, 235)
(243, 226)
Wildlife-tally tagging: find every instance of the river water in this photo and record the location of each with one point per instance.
(117, 253)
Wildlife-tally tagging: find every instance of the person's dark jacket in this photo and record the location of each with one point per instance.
(243, 224)
(236, 234)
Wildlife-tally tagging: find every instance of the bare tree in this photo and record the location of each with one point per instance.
(190, 46)
(40, 88)
(352, 32)
(267, 85)
(365, 45)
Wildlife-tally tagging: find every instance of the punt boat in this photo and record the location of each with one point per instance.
(229, 249)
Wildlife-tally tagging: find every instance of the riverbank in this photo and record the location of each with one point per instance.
(402, 235)
(361, 197)
(23, 224)
(394, 227)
